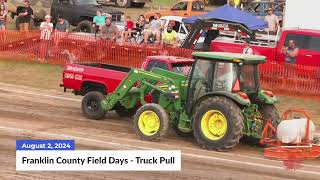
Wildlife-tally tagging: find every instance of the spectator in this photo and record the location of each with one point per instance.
(45, 36)
(62, 25)
(25, 15)
(247, 48)
(3, 15)
(109, 31)
(273, 21)
(99, 20)
(154, 29)
(291, 52)
(170, 37)
(141, 22)
(127, 29)
(6, 8)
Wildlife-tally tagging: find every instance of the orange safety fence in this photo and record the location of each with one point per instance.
(83, 48)
(290, 79)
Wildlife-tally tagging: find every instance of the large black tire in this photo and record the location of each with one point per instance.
(123, 112)
(146, 111)
(123, 3)
(85, 26)
(231, 114)
(91, 105)
(270, 112)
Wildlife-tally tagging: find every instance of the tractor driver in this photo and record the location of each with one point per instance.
(224, 76)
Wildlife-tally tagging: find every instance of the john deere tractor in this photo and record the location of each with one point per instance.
(219, 102)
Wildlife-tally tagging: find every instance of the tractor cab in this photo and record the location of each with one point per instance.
(227, 74)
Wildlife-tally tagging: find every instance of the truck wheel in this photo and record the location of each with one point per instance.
(218, 123)
(91, 105)
(123, 112)
(150, 122)
(269, 111)
(123, 3)
(85, 26)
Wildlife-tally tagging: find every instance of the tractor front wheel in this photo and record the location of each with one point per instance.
(91, 105)
(150, 122)
(218, 123)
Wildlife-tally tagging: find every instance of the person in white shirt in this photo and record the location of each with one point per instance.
(247, 48)
(46, 28)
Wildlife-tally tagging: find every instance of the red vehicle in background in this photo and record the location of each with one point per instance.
(84, 78)
(221, 36)
(308, 42)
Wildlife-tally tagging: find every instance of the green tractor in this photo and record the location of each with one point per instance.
(219, 102)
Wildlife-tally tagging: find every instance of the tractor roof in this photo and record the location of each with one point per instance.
(230, 57)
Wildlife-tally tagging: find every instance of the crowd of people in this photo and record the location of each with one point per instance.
(149, 31)
(146, 29)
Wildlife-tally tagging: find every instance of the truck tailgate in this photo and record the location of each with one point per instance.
(74, 75)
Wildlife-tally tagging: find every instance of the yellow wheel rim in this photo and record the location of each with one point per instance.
(214, 125)
(149, 123)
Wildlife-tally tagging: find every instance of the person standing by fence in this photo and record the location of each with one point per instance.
(45, 37)
(3, 15)
(25, 15)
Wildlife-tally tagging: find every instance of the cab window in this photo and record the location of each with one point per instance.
(175, 25)
(180, 6)
(156, 64)
(304, 41)
(197, 6)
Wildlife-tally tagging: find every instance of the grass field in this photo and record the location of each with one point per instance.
(44, 76)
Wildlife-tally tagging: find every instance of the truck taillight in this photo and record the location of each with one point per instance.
(243, 95)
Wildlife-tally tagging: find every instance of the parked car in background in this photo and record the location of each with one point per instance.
(80, 13)
(259, 8)
(184, 8)
(124, 3)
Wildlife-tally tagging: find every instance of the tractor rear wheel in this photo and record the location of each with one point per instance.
(218, 123)
(150, 122)
(91, 105)
(270, 112)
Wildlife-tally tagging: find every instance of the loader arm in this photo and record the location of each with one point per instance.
(136, 85)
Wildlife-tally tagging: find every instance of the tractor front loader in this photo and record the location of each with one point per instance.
(218, 102)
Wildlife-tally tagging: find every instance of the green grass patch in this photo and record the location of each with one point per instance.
(43, 76)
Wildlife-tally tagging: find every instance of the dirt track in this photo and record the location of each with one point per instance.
(27, 113)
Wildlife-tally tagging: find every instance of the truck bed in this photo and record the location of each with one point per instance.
(96, 75)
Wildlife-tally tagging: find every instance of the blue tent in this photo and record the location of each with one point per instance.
(228, 13)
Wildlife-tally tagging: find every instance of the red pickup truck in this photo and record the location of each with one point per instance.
(308, 42)
(83, 78)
